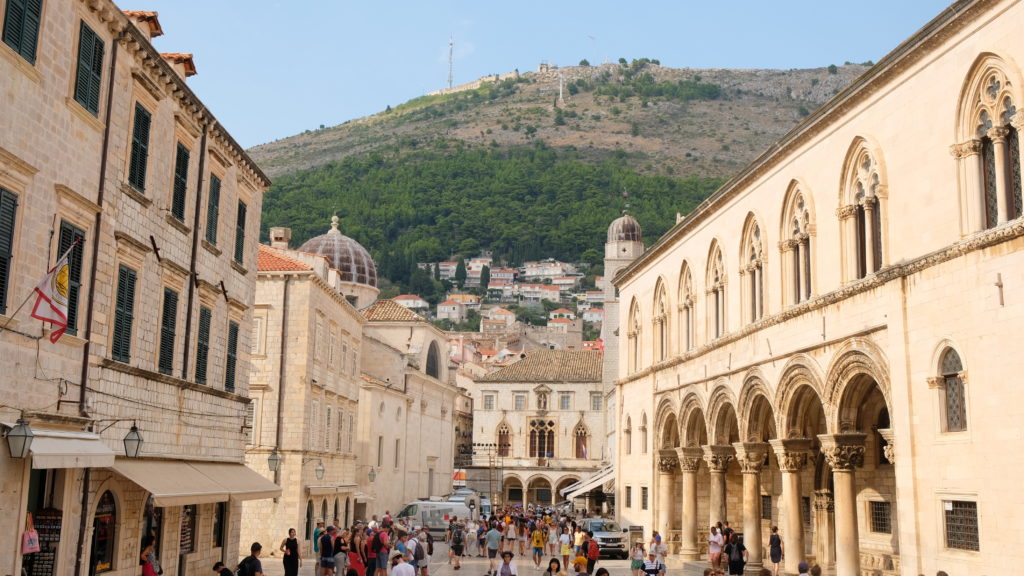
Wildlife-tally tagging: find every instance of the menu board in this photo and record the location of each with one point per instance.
(48, 523)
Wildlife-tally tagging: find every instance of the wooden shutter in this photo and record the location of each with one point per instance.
(240, 233)
(140, 149)
(68, 234)
(90, 69)
(21, 27)
(180, 182)
(203, 344)
(8, 209)
(229, 368)
(124, 310)
(213, 210)
(167, 325)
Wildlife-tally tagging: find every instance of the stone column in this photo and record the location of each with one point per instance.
(870, 205)
(718, 458)
(998, 136)
(844, 453)
(792, 457)
(750, 456)
(689, 463)
(824, 529)
(667, 463)
(788, 273)
(848, 221)
(970, 154)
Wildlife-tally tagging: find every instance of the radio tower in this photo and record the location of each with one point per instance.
(451, 46)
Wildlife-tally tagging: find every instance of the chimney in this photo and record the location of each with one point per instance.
(146, 21)
(280, 237)
(181, 62)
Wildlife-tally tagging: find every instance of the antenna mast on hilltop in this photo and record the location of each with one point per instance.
(451, 46)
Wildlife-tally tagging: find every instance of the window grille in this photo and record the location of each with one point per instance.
(881, 517)
(962, 525)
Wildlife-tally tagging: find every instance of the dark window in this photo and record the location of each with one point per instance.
(581, 441)
(168, 323)
(629, 496)
(504, 441)
(8, 211)
(433, 368)
(220, 524)
(515, 494)
(962, 525)
(240, 233)
(21, 27)
(766, 507)
(805, 505)
(104, 534)
(644, 496)
(956, 405)
(862, 243)
(229, 366)
(180, 182)
(213, 210)
(807, 268)
(203, 344)
(90, 69)
(69, 234)
(881, 517)
(140, 149)
(876, 237)
(124, 313)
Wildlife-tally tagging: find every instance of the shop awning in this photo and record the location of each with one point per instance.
(178, 482)
(588, 484)
(69, 449)
(325, 489)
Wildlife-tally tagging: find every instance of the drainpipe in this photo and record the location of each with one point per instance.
(281, 374)
(193, 276)
(86, 475)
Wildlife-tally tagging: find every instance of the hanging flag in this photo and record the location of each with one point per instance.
(52, 302)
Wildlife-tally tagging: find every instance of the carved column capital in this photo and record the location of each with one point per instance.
(787, 245)
(792, 453)
(998, 133)
(750, 456)
(890, 440)
(823, 501)
(667, 460)
(844, 212)
(718, 457)
(845, 451)
(689, 458)
(936, 382)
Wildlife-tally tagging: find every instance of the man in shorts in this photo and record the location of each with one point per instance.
(537, 543)
(493, 540)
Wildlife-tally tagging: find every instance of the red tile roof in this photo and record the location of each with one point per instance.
(551, 366)
(270, 260)
(181, 58)
(149, 17)
(390, 311)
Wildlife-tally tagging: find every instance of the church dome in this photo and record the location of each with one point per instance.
(345, 255)
(624, 229)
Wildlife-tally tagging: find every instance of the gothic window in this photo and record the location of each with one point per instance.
(686, 302)
(753, 269)
(863, 215)
(628, 436)
(716, 292)
(956, 406)
(504, 441)
(542, 438)
(796, 247)
(660, 323)
(581, 435)
(643, 434)
(633, 338)
(433, 361)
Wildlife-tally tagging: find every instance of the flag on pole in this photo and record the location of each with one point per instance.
(52, 301)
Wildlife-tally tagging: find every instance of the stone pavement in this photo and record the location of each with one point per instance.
(470, 566)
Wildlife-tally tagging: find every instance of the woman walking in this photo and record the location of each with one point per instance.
(292, 557)
(736, 555)
(637, 555)
(776, 551)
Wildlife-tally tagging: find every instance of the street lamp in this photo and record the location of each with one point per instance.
(372, 475)
(132, 442)
(19, 439)
(274, 461)
(319, 470)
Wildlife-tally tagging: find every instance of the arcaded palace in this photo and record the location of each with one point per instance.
(830, 342)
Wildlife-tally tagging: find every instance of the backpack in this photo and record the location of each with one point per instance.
(735, 554)
(418, 553)
(458, 535)
(243, 567)
(595, 551)
(376, 544)
(430, 544)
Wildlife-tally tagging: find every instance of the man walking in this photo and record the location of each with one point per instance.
(493, 540)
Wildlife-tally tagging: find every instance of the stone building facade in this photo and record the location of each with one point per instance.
(827, 343)
(103, 142)
(540, 423)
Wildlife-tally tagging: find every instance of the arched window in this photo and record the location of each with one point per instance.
(581, 435)
(504, 441)
(633, 338)
(433, 361)
(309, 520)
(627, 436)
(863, 214)
(716, 292)
(660, 323)
(542, 438)
(797, 229)
(643, 434)
(323, 512)
(753, 269)
(989, 153)
(953, 383)
(337, 510)
(104, 535)
(686, 312)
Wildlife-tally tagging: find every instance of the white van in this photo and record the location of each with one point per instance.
(434, 514)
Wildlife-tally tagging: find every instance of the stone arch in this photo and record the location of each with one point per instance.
(860, 147)
(665, 413)
(939, 351)
(693, 423)
(859, 366)
(537, 476)
(863, 210)
(974, 94)
(797, 233)
(433, 367)
(791, 209)
(668, 433)
(756, 411)
(121, 511)
(799, 377)
(751, 265)
(751, 241)
(722, 416)
(687, 301)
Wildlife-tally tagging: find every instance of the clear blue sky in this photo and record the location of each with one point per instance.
(272, 68)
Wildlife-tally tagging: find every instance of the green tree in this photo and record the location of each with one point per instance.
(460, 274)
(584, 62)
(833, 69)
(469, 247)
(485, 278)
(592, 256)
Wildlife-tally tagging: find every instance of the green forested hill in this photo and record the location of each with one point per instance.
(523, 203)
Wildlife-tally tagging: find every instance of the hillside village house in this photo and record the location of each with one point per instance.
(413, 302)
(470, 301)
(829, 342)
(547, 269)
(451, 310)
(562, 313)
(138, 412)
(594, 315)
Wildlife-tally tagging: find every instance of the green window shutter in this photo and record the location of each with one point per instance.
(203, 344)
(8, 210)
(90, 69)
(124, 313)
(229, 368)
(240, 233)
(168, 323)
(21, 27)
(140, 149)
(180, 183)
(213, 210)
(68, 234)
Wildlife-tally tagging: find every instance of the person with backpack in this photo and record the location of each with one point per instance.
(593, 551)
(424, 549)
(381, 545)
(457, 542)
(251, 565)
(736, 553)
(327, 551)
(221, 570)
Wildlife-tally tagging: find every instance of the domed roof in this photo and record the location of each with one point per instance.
(345, 255)
(624, 229)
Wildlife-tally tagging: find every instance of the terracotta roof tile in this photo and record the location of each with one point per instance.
(390, 311)
(150, 17)
(559, 321)
(551, 366)
(270, 260)
(181, 58)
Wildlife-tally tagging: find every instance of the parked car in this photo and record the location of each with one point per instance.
(434, 514)
(610, 537)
